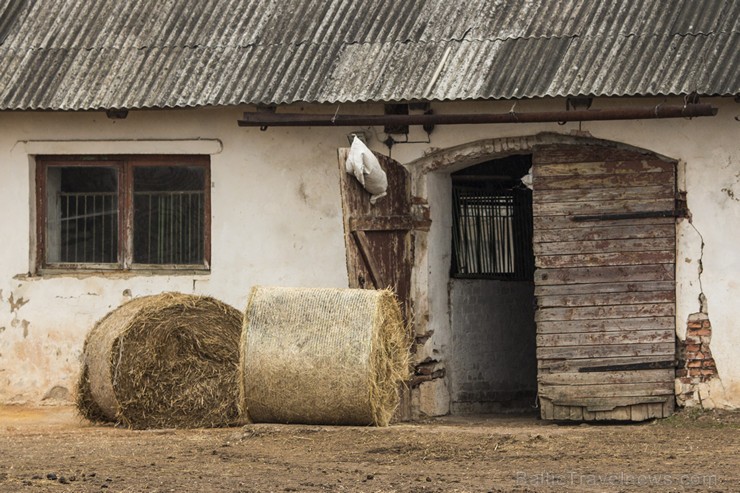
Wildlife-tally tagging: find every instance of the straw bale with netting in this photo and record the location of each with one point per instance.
(322, 356)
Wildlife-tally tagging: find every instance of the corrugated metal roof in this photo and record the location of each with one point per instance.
(93, 54)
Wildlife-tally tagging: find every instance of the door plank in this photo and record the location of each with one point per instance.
(605, 259)
(605, 312)
(607, 325)
(589, 153)
(597, 404)
(601, 378)
(605, 168)
(545, 223)
(663, 190)
(608, 350)
(602, 181)
(621, 273)
(598, 299)
(622, 231)
(547, 366)
(606, 246)
(603, 338)
(547, 410)
(565, 394)
(614, 206)
(598, 288)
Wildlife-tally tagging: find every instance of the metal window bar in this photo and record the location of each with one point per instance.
(492, 233)
(88, 227)
(168, 228)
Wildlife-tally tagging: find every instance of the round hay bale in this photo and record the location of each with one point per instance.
(322, 356)
(163, 361)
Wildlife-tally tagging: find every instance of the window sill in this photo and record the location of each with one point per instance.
(112, 273)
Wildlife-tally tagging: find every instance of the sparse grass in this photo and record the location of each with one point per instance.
(696, 417)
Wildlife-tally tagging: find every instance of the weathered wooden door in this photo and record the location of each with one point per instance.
(379, 239)
(378, 236)
(604, 243)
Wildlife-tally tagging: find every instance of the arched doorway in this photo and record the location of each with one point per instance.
(604, 242)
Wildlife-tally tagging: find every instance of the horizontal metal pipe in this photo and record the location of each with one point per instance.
(266, 119)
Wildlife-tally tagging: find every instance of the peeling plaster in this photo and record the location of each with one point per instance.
(16, 305)
(713, 394)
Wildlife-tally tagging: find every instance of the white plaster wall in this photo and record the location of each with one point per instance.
(277, 220)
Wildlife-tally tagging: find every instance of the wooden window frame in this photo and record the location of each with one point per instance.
(125, 165)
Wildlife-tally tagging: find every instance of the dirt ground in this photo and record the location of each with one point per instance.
(51, 449)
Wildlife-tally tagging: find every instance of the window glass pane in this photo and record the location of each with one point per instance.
(82, 214)
(169, 215)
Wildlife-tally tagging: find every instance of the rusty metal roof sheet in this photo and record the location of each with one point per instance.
(93, 54)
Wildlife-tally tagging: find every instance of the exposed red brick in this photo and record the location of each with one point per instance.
(696, 364)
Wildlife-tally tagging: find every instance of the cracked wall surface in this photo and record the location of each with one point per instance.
(707, 330)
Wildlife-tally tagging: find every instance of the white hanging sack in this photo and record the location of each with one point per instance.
(362, 163)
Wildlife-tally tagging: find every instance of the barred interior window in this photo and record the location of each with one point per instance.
(82, 214)
(168, 214)
(123, 212)
(492, 221)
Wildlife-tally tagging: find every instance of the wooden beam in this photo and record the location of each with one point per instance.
(364, 246)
